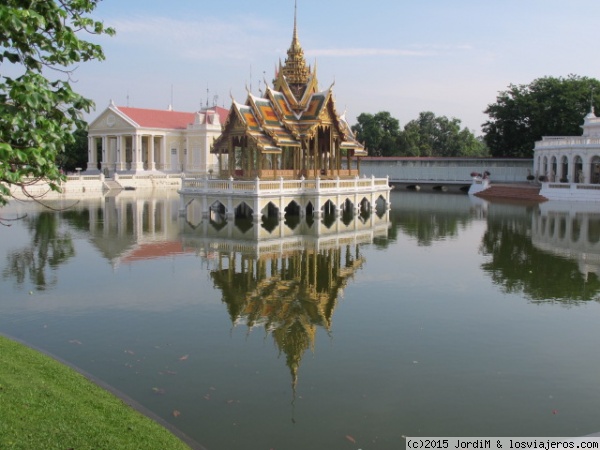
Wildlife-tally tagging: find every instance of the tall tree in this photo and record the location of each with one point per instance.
(75, 153)
(431, 135)
(39, 113)
(379, 133)
(547, 106)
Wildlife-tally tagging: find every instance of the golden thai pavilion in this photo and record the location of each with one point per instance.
(293, 131)
(287, 152)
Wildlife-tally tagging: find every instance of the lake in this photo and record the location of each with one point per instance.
(447, 316)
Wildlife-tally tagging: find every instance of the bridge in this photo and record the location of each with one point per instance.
(444, 173)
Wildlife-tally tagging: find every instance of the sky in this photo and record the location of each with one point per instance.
(451, 57)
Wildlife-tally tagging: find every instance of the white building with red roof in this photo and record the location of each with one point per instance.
(123, 139)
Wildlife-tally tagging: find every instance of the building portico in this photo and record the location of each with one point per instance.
(134, 140)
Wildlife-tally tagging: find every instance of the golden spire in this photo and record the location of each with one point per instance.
(295, 69)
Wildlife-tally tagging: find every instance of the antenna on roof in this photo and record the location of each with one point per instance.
(128, 99)
(250, 78)
(171, 96)
(207, 91)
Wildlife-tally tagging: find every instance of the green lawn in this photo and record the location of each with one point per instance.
(47, 405)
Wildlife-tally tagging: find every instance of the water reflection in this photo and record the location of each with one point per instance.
(429, 218)
(549, 254)
(418, 332)
(284, 279)
(51, 245)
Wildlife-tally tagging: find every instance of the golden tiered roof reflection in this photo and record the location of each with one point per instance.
(289, 286)
(290, 294)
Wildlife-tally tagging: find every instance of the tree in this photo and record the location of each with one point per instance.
(439, 136)
(546, 107)
(75, 154)
(379, 133)
(40, 115)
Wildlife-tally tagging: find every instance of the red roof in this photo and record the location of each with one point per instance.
(159, 118)
(154, 250)
(222, 112)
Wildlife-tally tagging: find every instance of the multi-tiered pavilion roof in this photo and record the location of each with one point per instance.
(293, 130)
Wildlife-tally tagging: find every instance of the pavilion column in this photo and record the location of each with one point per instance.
(104, 164)
(559, 168)
(315, 158)
(247, 152)
(136, 150)
(587, 171)
(92, 154)
(230, 159)
(259, 162)
(111, 154)
(220, 160)
(151, 160)
(332, 155)
(123, 152)
(165, 165)
(187, 155)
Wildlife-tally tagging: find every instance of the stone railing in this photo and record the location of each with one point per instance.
(562, 141)
(283, 186)
(571, 191)
(273, 174)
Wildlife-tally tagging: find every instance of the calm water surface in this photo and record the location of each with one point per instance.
(448, 318)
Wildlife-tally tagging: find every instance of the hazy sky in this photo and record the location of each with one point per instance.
(451, 57)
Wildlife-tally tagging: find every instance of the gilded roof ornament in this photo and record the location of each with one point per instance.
(295, 70)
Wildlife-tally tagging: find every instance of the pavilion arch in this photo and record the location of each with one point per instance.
(243, 210)
(328, 207)
(347, 206)
(595, 169)
(564, 169)
(578, 175)
(593, 230)
(217, 214)
(270, 211)
(562, 227)
(293, 208)
(380, 205)
(553, 169)
(219, 207)
(575, 229)
(365, 205)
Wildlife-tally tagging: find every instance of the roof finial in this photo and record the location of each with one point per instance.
(592, 100)
(295, 16)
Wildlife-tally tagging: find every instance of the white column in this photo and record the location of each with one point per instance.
(136, 149)
(120, 153)
(92, 164)
(104, 164)
(151, 161)
(587, 170)
(166, 163)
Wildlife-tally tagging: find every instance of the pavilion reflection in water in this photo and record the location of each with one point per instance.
(569, 230)
(287, 281)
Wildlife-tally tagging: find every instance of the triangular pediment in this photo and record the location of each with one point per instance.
(112, 119)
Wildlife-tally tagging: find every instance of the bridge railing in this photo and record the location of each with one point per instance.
(446, 170)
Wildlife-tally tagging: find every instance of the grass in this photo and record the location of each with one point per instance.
(47, 405)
